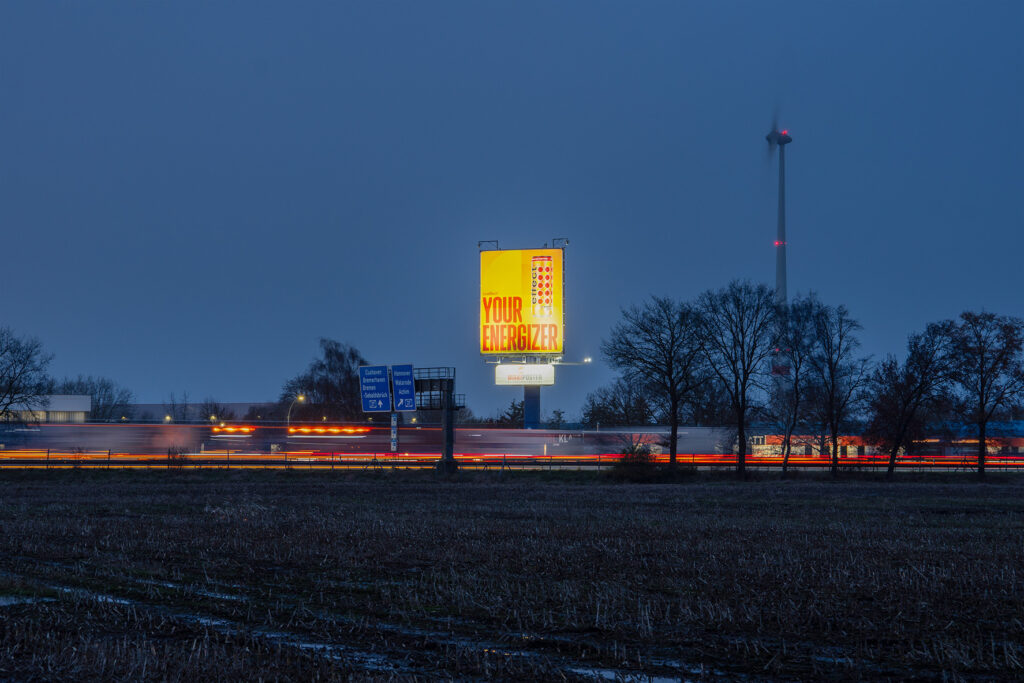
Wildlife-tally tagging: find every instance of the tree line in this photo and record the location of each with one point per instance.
(730, 357)
(734, 356)
(329, 387)
(327, 390)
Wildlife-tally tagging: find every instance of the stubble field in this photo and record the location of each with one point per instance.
(220, 576)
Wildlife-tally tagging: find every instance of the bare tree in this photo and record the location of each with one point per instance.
(211, 410)
(23, 380)
(989, 369)
(838, 373)
(708, 404)
(902, 396)
(330, 385)
(621, 403)
(177, 409)
(263, 413)
(791, 366)
(557, 419)
(512, 416)
(738, 327)
(656, 346)
(109, 401)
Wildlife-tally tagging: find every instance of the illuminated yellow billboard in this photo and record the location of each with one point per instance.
(521, 302)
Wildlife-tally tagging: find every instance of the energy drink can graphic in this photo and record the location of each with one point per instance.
(541, 289)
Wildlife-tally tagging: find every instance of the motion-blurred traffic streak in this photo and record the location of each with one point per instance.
(357, 446)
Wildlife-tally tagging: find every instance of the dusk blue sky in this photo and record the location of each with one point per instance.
(192, 193)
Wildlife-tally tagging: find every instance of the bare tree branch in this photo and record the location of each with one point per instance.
(737, 334)
(838, 373)
(989, 369)
(791, 368)
(109, 401)
(902, 396)
(330, 385)
(656, 346)
(23, 380)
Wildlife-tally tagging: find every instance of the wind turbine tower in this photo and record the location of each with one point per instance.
(780, 138)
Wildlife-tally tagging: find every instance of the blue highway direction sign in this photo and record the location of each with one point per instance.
(375, 388)
(404, 387)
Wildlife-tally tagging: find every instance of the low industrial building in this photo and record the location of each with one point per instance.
(53, 409)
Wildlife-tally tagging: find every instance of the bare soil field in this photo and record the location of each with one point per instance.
(282, 575)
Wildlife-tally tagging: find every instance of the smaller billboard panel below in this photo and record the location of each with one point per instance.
(528, 375)
(404, 386)
(374, 388)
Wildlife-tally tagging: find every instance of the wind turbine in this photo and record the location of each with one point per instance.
(780, 138)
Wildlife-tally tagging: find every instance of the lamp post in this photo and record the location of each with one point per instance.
(299, 398)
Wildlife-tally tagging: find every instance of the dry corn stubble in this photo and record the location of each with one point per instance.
(539, 579)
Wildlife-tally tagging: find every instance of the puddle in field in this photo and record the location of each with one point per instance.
(336, 651)
(89, 595)
(628, 676)
(380, 662)
(188, 589)
(625, 676)
(9, 600)
(368, 660)
(203, 621)
(162, 584)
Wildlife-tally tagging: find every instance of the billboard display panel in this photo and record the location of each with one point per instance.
(521, 302)
(530, 374)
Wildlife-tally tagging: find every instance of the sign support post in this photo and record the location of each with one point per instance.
(447, 463)
(394, 432)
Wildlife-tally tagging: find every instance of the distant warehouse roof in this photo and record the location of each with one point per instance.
(67, 403)
(52, 408)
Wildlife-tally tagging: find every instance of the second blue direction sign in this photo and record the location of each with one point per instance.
(404, 387)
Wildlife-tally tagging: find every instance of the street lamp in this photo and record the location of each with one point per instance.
(299, 398)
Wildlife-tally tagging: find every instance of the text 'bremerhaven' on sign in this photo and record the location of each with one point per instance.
(375, 388)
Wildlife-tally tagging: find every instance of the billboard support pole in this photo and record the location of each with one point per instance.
(531, 407)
